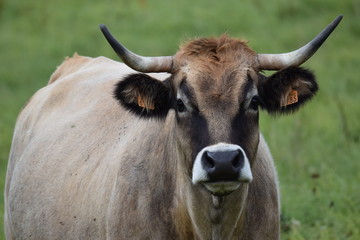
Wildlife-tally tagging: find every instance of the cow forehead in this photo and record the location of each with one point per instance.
(216, 69)
(217, 66)
(224, 90)
(218, 49)
(210, 53)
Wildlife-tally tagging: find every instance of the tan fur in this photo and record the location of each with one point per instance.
(214, 56)
(69, 66)
(217, 50)
(224, 62)
(82, 167)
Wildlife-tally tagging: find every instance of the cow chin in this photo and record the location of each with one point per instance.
(221, 169)
(221, 188)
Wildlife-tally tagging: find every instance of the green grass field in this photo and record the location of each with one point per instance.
(317, 150)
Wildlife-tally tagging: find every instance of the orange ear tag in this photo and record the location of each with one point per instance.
(141, 103)
(292, 97)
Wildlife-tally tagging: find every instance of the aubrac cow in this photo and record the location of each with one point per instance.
(106, 152)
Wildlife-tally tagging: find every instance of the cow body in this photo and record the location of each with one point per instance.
(82, 168)
(106, 152)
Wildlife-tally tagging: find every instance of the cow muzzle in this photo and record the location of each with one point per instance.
(221, 168)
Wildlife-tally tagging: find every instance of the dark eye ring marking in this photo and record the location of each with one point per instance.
(254, 104)
(180, 106)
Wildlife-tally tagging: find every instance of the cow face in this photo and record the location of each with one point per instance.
(216, 90)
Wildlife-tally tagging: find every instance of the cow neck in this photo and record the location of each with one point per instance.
(216, 216)
(212, 217)
(224, 220)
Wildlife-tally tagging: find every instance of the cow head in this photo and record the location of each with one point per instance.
(216, 88)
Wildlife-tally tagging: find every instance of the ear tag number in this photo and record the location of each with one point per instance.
(292, 97)
(141, 103)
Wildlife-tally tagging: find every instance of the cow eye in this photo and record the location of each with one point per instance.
(180, 106)
(254, 104)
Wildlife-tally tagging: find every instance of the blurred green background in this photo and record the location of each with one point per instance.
(316, 150)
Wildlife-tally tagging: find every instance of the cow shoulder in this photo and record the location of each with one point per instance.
(70, 65)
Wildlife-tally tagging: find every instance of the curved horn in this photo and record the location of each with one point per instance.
(136, 62)
(299, 56)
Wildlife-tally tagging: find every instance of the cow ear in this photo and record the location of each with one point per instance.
(287, 90)
(143, 95)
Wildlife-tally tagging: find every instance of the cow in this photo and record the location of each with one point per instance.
(106, 151)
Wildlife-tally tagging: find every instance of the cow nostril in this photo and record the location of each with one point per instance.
(209, 162)
(236, 162)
